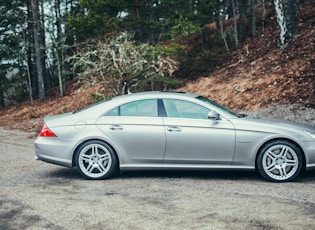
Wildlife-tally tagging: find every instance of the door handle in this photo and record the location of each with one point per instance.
(173, 129)
(116, 127)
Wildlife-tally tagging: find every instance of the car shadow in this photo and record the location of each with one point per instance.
(64, 173)
(249, 175)
(192, 174)
(72, 174)
(308, 176)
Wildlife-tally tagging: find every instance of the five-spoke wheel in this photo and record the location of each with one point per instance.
(280, 161)
(96, 160)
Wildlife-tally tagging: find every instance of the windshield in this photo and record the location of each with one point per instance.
(204, 99)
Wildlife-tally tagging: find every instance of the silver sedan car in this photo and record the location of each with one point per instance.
(172, 130)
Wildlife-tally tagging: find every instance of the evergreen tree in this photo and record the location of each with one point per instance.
(12, 69)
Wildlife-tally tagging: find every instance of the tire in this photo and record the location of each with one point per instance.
(280, 161)
(96, 160)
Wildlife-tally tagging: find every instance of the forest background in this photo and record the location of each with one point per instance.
(57, 48)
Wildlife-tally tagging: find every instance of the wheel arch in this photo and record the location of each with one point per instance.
(94, 139)
(282, 139)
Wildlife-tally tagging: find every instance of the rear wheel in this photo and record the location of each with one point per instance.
(280, 161)
(96, 160)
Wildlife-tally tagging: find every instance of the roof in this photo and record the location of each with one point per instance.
(159, 93)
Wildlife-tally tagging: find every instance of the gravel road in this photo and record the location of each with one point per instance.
(37, 195)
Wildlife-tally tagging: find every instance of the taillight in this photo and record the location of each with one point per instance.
(46, 132)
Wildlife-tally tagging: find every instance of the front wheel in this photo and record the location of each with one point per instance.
(96, 160)
(280, 161)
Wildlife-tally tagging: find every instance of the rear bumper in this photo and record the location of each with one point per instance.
(54, 151)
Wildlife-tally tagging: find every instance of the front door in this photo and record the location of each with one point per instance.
(192, 138)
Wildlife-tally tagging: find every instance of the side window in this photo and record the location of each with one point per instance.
(185, 109)
(113, 112)
(143, 108)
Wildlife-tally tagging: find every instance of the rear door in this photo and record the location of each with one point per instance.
(137, 130)
(192, 138)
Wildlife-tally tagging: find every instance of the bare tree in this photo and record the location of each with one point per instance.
(117, 61)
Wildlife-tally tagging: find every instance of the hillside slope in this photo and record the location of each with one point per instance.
(258, 74)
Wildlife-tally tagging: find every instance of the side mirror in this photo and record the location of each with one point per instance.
(213, 115)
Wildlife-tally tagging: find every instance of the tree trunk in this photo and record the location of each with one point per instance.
(191, 7)
(287, 17)
(38, 45)
(33, 82)
(60, 76)
(235, 23)
(2, 104)
(254, 6)
(42, 38)
(222, 33)
(291, 15)
(59, 50)
(242, 7)
(29, 81)
(138, 20)
(282, 22)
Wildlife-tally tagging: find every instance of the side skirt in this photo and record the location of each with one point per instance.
(127, 167)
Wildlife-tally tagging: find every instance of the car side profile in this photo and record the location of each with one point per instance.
(172, 130)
